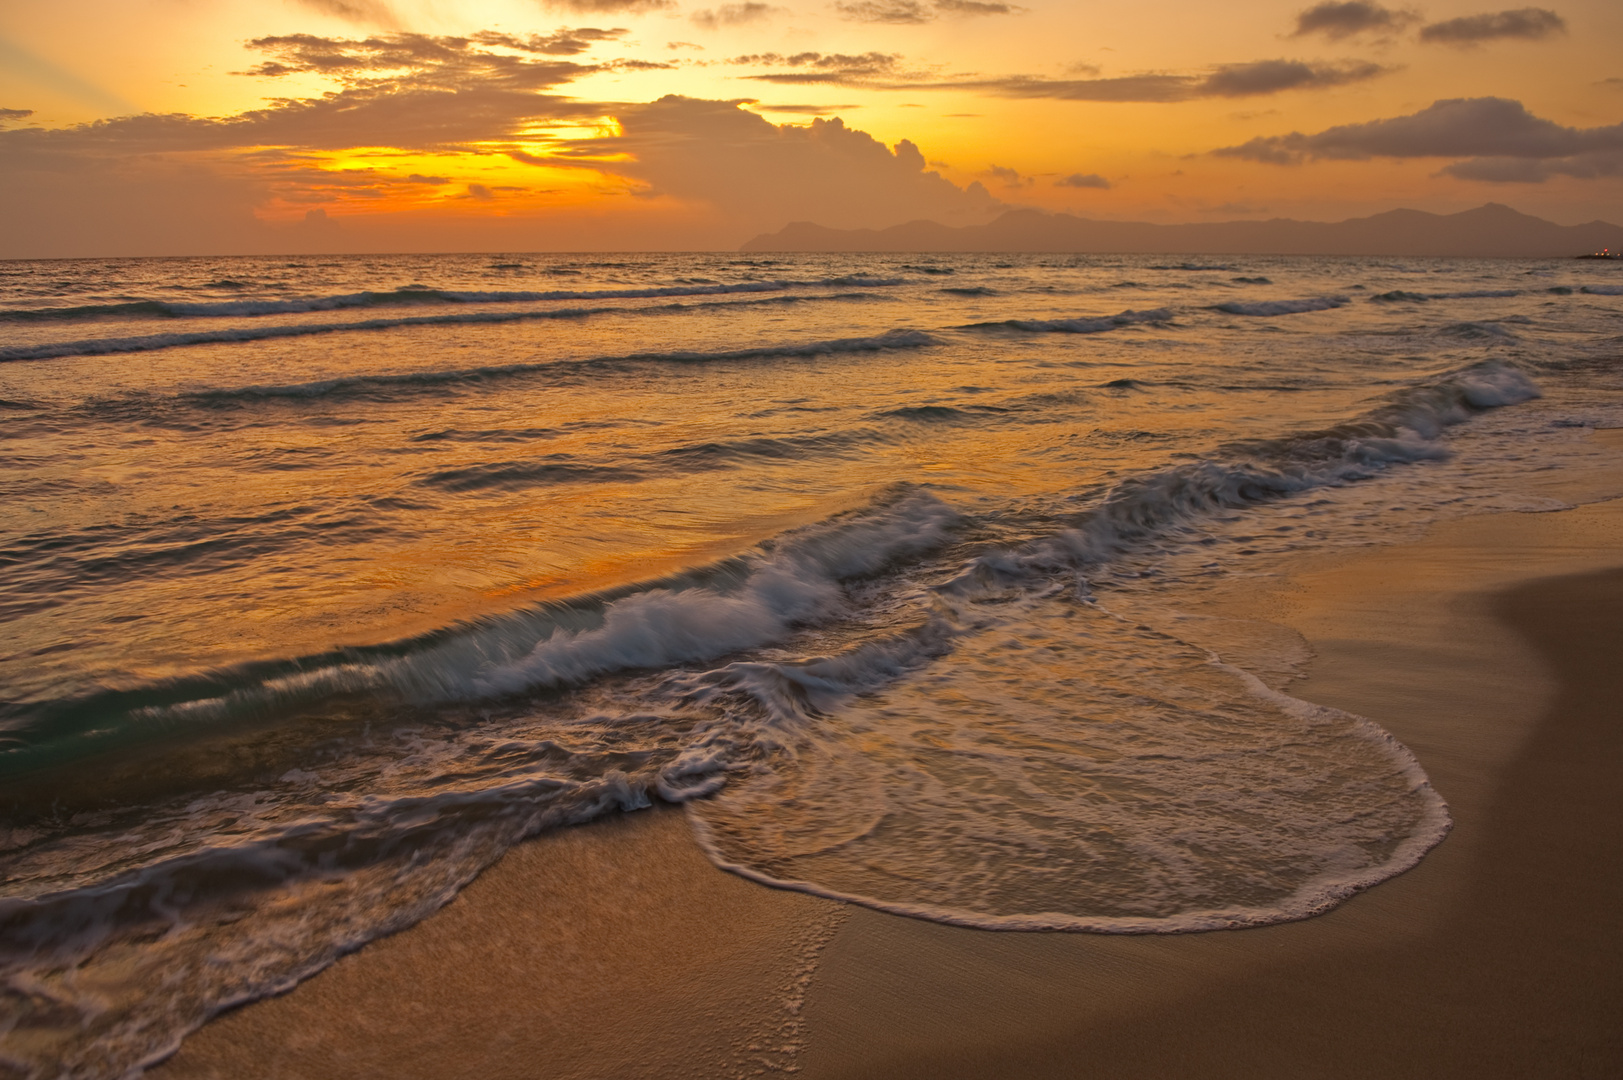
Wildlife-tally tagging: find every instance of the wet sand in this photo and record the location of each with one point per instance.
(1490, 648)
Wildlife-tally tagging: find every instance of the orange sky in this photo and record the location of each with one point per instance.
(205, 126)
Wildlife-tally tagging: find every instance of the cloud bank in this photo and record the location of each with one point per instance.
(718, 153)
(1254, 79)
(1498, 139)
(1343, 20)
(674, 172)
(1522, 24)
(913, 12)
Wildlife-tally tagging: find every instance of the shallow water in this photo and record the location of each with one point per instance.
(327, 580)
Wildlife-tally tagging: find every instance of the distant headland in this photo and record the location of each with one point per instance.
(1492, 230)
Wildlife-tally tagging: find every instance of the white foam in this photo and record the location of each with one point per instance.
(1066, 771)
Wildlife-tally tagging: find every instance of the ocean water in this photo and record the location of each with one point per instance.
(324, 581)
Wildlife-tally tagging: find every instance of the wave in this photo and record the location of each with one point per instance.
(151, 342)
(516, 475)
(1603, 290)
(1082, 325)
(1397, 295)
(1282, 307)
(1145, 509)
(931, 413)
(555, 469)
(1477, 331)
(309, 866)
(388, 386)
(740, 603)
(411, 296)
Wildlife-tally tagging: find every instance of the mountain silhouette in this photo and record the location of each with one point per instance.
(1492, 230)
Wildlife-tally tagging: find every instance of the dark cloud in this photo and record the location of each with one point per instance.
(480, 192)
(565, 41)
(918, 11)
(849, 69)
(356, 11)
(975, 7)
(801, 110)
(1083, 180)
(1228, 80)
(885, 11)
(1273, 76)
(1499, 138)
(419, 178)
(1343, 20)
(15, 114)
(423, 59)
(1524, 24)
(884, 71)
(609, 7)
(734, 15)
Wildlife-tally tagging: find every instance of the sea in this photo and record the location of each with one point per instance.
(324, 581)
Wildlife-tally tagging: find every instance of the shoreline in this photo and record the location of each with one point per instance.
(1467, 965)
(616, 949)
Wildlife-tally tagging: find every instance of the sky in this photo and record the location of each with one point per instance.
(153, 127)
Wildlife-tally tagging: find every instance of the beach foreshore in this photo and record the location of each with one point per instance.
(1489, 648)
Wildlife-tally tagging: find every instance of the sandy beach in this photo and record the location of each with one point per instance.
(615, 949)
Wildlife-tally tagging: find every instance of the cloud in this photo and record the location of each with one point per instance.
(734, 15)
(15, 114)
(1273, 76)
(422, 58)
(884, 71)
(480, 192)
(761, 175)
(1081, 180)
(1343, 20)
(407, 91)
(1006, 176)
(1252, 79)
(801, 110)
(356, 11)
(1524, 24)
(975, 7)
(609, 7)
(1500, 139)
(844, 69)
(885, 11)
(903, 12)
